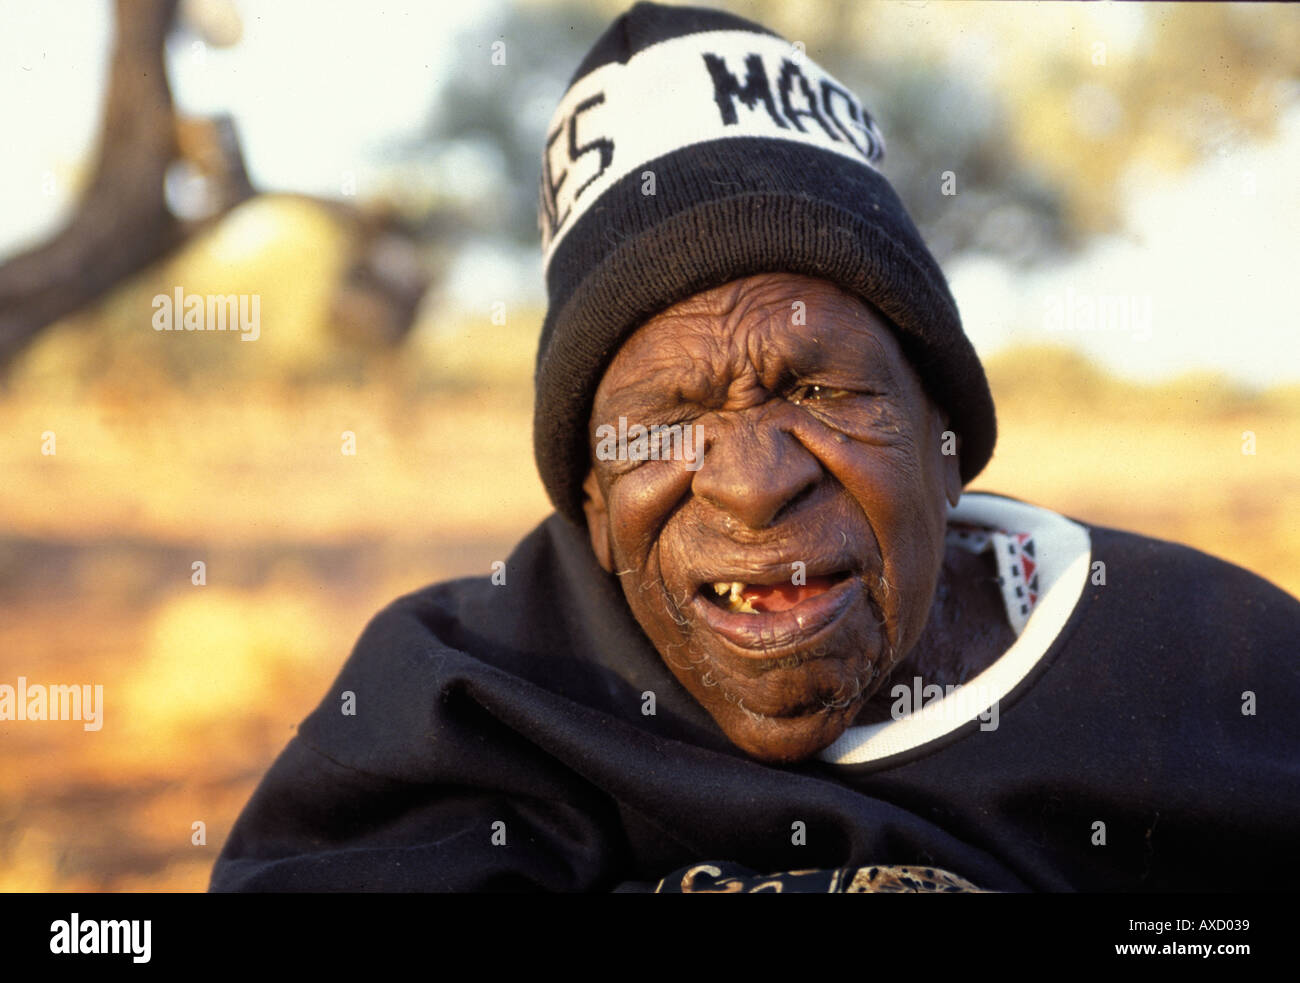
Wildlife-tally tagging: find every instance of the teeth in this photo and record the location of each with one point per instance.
(739, 604)
(733, 591)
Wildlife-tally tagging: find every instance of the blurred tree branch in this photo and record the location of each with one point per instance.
(122, 222)
(158, 179)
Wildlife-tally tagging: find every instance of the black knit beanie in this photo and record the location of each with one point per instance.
(694, 148)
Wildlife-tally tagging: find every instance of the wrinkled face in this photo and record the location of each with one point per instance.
(786, 568)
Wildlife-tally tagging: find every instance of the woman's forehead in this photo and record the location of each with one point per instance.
(769, 326)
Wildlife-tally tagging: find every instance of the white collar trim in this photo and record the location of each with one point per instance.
(1064, 555)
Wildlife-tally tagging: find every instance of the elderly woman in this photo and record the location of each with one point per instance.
(765, 643)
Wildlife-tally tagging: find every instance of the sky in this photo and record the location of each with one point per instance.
(1199, 278)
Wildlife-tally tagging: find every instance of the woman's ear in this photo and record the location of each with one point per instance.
(947, 442)
(597, 521)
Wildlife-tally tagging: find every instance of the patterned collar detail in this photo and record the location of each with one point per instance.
(1017, 560)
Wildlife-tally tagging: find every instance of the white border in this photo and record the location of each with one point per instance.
(1064, 555)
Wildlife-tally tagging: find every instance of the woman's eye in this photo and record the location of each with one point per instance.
(813, 393)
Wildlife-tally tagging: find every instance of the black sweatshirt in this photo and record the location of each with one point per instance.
(498, 741)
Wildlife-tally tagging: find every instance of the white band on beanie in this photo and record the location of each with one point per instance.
(699, 87)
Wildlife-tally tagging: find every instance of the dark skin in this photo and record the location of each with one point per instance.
(820, 447)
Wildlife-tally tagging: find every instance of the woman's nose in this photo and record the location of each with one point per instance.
(754, 470)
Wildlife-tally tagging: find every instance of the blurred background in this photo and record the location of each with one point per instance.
(1110, 188)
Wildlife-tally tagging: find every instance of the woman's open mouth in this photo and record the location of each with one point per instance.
(767, 618)
(741, 598)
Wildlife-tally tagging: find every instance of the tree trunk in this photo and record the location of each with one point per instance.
(122, 223)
